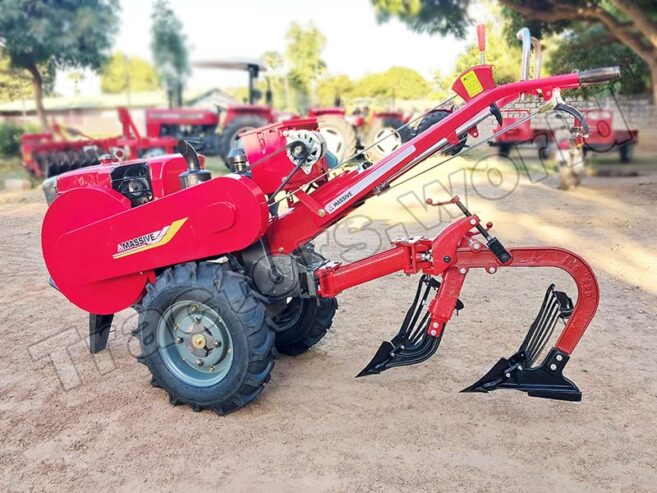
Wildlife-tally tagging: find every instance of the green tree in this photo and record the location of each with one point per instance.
(40, 34)
(430, 16)
(304, 56)
(632, 24)
(14, 84)
(394, 83)
(579, 50)
(131, 74)
(169, 49)
(334, 87)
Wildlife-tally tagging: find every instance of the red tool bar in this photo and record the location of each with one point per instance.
(587, 285)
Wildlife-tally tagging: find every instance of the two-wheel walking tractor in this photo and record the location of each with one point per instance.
(222, 280)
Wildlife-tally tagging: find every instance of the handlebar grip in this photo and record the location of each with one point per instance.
(599, 75)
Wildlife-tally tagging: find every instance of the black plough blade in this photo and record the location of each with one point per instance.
(412, 344)
(518, 373)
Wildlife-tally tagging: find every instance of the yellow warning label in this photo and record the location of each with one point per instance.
(471, 84)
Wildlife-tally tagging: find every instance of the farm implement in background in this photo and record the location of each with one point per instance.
(48, 154)
(221, 277)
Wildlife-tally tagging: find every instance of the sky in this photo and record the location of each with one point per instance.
(356, 43)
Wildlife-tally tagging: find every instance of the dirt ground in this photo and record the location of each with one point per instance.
(70, 421)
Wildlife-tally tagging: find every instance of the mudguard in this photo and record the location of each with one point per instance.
(100, 252)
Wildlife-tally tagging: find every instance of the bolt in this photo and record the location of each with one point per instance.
(473, 221)
(433, 332)
(211, 369)
(463, 270)
(217, 343)
(199, 362)
(476, 245)
(177, 327)
(194, 308)
(559, 357)
(436, 325)
(507, 375)
(197, 319)
(179, 340)
(492, 270)
(447, 259)
(281, 249)
(321, 213)
(553, 367)
(519, 368)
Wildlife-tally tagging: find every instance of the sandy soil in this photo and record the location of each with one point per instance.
(70, 421)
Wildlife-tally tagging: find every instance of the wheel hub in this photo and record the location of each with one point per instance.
(194, 343)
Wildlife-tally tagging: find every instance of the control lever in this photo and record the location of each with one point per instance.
(493, 244)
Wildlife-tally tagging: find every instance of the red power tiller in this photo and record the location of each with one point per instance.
(219, 277)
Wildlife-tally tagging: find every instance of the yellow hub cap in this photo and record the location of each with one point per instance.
(198, 341)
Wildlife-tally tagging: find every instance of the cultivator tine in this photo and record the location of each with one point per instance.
(518, 373)
(412, 344)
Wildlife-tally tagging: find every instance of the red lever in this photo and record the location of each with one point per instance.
(481, 36)
(453, 200)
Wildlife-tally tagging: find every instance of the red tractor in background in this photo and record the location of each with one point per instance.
(193, 124)
(236, 119)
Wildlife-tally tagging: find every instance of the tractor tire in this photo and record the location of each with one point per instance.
(230, 135)
(503, 150)
(627, 153)
(434, 117)
(204, 337)
(340, 137)
(391, 132)
(303, 323)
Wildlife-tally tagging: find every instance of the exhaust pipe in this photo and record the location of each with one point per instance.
(194, 174)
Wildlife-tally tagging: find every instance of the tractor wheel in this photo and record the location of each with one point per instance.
(303, 323)
(340, 136)
(434, 117)
(503, 150)
(627, 153)
(204, 337)
(231, 134)
(390, 133)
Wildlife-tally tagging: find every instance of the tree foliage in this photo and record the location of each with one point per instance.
(580, 50)
(56, 34)
(169, 47)
(14, 83)
(133, 74)
(631, 23)
(394, 83)
(304, 53)
(431, 16)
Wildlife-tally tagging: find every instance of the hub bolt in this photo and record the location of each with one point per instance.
(194, 308)
(199, 362)
(217, 343)
(179, 340)
(211, 369)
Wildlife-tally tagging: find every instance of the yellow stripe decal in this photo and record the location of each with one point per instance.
(168, 236)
